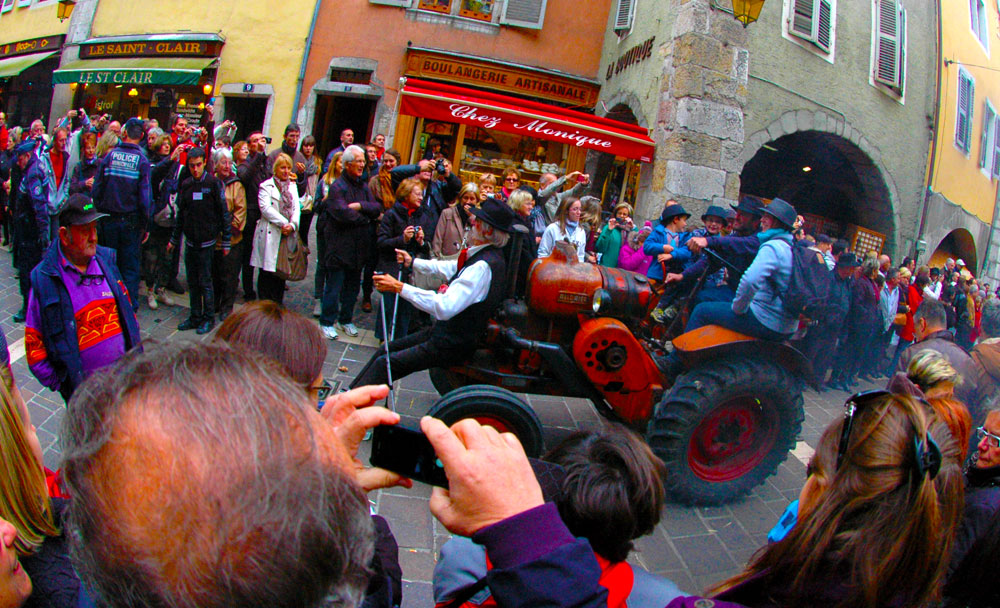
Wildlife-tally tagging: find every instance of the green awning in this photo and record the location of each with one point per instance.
(12, 66)
(133, 70)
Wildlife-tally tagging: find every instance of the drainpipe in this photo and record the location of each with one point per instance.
(305, 61)
(934, 135)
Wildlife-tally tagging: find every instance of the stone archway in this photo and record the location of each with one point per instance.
(609, 176)
(862, 192)
(958, 244)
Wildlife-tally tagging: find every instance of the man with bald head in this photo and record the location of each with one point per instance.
(203, 476)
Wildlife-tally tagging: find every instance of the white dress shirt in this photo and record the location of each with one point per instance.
(471, 287)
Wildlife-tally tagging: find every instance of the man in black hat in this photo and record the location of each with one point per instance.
(476, 284)
(758, 309)
(739, 249)
(79, 315)
(30, 223)
(820, 343)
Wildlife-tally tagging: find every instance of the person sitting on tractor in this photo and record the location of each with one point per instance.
(667, 243)
(476, 284)
(758, 309)
(739, 248)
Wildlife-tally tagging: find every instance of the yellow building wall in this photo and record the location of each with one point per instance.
(957, 176)
(265, 39)
(31, 22)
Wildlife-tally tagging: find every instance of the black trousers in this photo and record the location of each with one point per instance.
(253, 214)
(820, 346)
(413, 353)
(198, 261)
(225, 269)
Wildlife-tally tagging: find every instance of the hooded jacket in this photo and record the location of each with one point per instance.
(986, 356)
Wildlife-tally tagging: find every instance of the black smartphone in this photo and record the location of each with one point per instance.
(407, 452)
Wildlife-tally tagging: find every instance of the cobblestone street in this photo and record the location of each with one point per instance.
(693, 547)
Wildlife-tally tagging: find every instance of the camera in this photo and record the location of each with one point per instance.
(267, 140)
(439, 166)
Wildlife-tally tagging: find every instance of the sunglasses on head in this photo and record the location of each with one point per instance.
(927, 452)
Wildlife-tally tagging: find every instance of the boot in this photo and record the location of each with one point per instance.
(205, 327)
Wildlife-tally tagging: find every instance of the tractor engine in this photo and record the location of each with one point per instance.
(605, 303)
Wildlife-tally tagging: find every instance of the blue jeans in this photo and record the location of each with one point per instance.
(903, 345)
(339, 295)
(198, 261)
(123, 233)
(721, 313)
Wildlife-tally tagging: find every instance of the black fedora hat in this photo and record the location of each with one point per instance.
(782, 211)
(715, 211)
(672, 211)
(495, 213)
(848, 260)
(749, 204)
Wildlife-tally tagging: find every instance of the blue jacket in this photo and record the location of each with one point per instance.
(654, 247)
(122, 184)
(25, 204)
(40, 184)
(767, 278)
(735, 249)
(59, 321)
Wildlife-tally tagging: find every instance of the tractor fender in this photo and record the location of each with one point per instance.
(714, 341)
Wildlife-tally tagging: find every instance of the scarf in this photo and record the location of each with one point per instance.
(462, 213)
(571, 227)
(287, 207)
(385, 188)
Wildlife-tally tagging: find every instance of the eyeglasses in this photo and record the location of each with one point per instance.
(511, 179)
(91, 280)
(853, 404)
(322, 392)
(982, 433)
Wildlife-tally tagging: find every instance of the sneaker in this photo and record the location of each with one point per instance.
(187, 324)
(163, 297)
(348, 328)
(318, 308)
(205, 327)
(151, 300)
(20, 316)
(329, 332)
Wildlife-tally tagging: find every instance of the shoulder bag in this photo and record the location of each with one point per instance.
(293, 258)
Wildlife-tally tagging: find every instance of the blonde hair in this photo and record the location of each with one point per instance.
(928, 368)
(25, 502)
(332, 173)
(591, 212)
(283, 160)
(406, 188)
(518, 199)
(107, 142)
(622, 205)
(488, 179)
(468, 189)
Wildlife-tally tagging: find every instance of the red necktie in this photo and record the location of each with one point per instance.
(463, 255)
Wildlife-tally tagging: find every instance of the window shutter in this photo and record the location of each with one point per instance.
(524, 13)
(887, 51)
(802, 18)
(995, 172)
(623, 15)
(403, 3)
(824, 29)
(970, 110)
(7, 5)
(985, 142)
(963, 115)
(901, 71)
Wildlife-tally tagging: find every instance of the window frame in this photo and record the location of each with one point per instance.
(987, 140)
(812, 40)
(963, 137)
(896, 90)
(979, 23)
(625, 30)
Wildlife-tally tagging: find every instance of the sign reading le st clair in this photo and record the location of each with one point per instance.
(115, 77)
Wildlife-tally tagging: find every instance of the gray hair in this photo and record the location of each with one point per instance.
(352, 153)
(222, 155)
(933, 312)
(482, 231)
(155, 132)
(197, 480)
(991, 319)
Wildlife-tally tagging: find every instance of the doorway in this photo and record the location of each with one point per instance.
(247, 113)
(335, 113)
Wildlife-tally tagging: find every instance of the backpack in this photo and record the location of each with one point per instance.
(165, 214)
(809, 286)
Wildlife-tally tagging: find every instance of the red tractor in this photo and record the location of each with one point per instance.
(722, 420)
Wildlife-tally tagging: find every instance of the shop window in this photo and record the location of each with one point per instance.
(980, 28)
(889, 44)
(624, 14)
(813, 21)
(963, 122)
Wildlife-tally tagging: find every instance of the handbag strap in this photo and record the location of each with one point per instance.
(465, 594)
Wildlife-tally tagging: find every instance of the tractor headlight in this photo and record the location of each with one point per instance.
(601, 299)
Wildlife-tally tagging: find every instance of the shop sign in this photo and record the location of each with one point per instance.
(162, 48)
(631, 57)
(470, 71)
(35, 45)
(116, 77)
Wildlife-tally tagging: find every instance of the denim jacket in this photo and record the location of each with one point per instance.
(767, 278)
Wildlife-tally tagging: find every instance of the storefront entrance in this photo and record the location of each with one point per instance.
(26, 78)
(334, 113)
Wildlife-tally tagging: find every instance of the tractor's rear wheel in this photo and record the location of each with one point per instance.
(443, 380)
(724, 427)
(496, 407)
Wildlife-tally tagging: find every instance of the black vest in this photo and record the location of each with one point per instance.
(465, 328)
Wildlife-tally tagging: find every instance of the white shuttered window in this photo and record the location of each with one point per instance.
(812, 20)
(986, 142)
(624, 13)
(890, 44)
(524, 13)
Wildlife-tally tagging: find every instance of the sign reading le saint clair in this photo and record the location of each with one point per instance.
(164, 48)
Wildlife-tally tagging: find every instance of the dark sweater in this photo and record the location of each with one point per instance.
(202, 213)
(54, 582)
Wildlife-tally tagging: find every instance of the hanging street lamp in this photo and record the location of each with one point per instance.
(65, 9)
(747, 11)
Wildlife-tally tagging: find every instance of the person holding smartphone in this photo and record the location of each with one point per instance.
(609, 242)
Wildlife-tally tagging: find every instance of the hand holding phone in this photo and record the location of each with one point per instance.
(408, 453)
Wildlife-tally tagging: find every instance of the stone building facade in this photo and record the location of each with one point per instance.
(794, 106)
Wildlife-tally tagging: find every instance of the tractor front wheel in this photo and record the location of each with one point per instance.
(724, 427)
(496, 407)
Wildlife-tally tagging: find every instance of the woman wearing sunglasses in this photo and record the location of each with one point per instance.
(877, 514)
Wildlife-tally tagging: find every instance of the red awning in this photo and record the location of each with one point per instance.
(491, 111)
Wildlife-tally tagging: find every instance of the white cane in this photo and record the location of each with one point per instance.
(388, 364)
(395, 307)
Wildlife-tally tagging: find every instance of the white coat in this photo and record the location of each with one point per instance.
(267, 236)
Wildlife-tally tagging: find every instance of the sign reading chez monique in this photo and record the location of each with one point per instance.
(425, 64)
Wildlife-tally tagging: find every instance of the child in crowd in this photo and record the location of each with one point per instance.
(668, 243)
